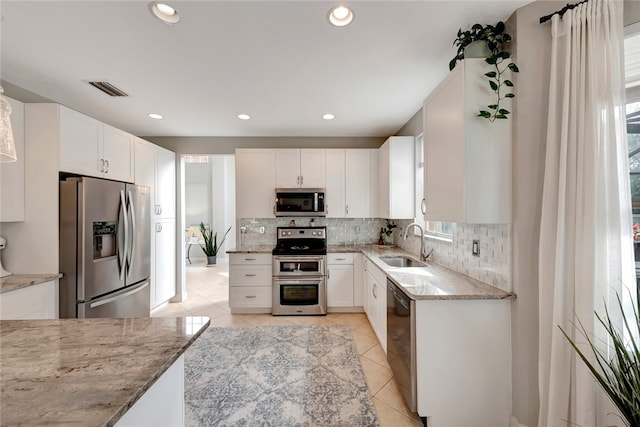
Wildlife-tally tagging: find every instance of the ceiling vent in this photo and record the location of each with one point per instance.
(108, 88)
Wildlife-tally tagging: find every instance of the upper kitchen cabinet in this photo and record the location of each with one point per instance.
(335, 188)
(357, 183)
(467, 158)
(396, 180)
(300, 168)
(155, 167)
(12, 177)
(92, 148)
(255, 183)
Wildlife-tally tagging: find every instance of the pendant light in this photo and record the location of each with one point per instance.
(7, 145)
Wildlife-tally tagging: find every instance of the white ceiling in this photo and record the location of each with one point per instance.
(279, 61)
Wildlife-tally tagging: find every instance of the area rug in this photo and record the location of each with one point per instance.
(276, 376)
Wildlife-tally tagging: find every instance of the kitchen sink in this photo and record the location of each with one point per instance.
(402, 261)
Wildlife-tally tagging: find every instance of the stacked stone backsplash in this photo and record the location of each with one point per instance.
(340, 231)
(493, 266)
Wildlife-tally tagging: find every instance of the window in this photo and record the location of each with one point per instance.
(431, 228)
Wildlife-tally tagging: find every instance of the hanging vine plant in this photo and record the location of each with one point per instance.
(498, 57)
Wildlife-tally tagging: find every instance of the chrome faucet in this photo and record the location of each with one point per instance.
(423, 255)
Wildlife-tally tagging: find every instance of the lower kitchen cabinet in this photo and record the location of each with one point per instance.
(340, 289)
(376, 301)
(163, 262)
(463, 353)
(250, 283)
(31, 302)
(162, 404)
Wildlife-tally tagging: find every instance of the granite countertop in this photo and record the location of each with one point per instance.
(251, 249)
(17, 281)
(86, 372)
(433, 282)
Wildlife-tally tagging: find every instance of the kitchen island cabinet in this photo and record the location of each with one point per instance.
(93, 372)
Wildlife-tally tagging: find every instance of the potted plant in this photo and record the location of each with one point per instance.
(619, 374)
(211, 246)
(494, 41)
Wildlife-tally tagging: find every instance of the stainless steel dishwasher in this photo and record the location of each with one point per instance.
(401, 341)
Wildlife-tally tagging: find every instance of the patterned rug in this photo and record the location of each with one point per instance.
(276, 376)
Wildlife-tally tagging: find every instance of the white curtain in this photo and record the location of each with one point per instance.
(585, 233)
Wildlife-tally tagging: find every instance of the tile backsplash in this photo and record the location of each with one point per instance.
(493, 266)
(340, 231)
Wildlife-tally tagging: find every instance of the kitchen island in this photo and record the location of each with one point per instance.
(88, 372)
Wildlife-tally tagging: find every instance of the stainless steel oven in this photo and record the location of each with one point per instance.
(299, 271)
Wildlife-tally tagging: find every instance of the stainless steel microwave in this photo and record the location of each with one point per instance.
(300, 202)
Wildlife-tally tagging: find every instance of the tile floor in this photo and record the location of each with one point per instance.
(208, 295)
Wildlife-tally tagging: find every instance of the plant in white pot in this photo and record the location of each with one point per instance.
(211, 245)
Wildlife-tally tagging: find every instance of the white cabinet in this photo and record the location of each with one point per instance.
(31, 302)
(162, 404)
(396, 178)
(255, 183)
(475, 337)
(335, 183)
(155, 168)
(376, 301)
(357, 184)
(250, 283)
(163, 282)
(12, 179)
(165, 183)
(467, 158)
(90, 147)
(304, 168)
(118, 154)
(340, 289)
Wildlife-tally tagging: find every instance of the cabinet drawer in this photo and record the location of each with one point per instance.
(257, 275)
(250, 297)
(249, 259)
(340, 258)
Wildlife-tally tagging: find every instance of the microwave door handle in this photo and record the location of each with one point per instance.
(132, 247)
(122, 253)
(315, 202)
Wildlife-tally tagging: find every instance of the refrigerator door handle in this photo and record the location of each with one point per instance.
(129, 292)
(132, 247)
(122, 255)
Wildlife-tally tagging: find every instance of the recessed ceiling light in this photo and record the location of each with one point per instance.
(244, 116)
(328, 116)
(164, 12)
(155, 116)
(340, 16)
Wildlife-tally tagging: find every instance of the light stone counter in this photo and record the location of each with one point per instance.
(251, 249)
(18, 281)
(85, 372)
(433, 282)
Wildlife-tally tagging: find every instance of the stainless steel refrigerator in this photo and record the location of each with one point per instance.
(105, 248)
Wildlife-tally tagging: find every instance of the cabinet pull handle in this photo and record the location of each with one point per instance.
(159, 228)
(274, 210)
(328, 274)
(101, 165)
(365, 265)
(374, 291)
(341, 259)
(423, 206)
(249, 259)
(250, 296)
(301, 179)
(106, 165)
(250, 275)
(160, 209)
(346, 208)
